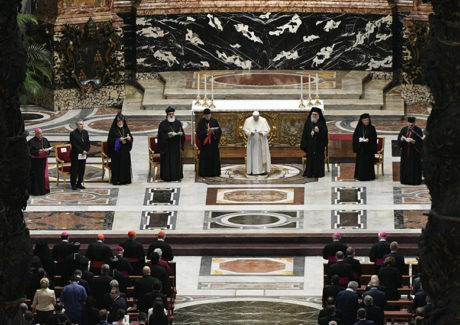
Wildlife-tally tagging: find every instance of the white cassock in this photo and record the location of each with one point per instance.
(258, 153)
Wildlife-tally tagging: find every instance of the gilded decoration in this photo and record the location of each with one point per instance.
(416, 36)
(286, 128)
(88, 54)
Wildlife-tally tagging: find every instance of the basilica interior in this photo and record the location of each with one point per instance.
(248, 248)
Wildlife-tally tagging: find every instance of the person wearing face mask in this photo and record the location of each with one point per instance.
(171, 140)
(365, 147)
(119, 144)
(314, 142)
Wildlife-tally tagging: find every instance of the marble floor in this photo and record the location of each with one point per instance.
(285, 202)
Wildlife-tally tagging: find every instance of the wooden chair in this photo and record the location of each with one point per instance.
(106, 161)
(196, 153)
(154, 156)
(379, 156)
(62, 162)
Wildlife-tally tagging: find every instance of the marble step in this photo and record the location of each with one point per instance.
(232, 244)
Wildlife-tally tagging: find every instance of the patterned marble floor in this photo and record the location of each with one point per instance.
(284, 202)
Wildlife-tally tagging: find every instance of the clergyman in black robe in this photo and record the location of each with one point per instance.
(171, 139)
(119, 145)
(365, 147)
(208, 132)
(410, 141)
(39, 148)
(314, 142)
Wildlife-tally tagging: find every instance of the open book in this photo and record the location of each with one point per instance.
(173, 133)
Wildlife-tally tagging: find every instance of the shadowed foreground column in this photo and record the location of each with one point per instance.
(15, 245)
(440, 241)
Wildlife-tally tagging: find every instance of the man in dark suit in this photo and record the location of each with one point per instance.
(134, 252)
(101, 285)
(149, 297)
(330, 316)
(117, 304)
(144, 285)
(60, 251)
(361, 314)
(342, 269)
(399, 259)
(373, 313)
(346, 303)
(333, 289)
(355, 263)
(165, 247)
(376, 291)
(79, 140)
(98, 253)
(160, 273)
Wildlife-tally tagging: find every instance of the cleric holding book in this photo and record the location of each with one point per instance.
(410, 140)
(39, 148)
(208, 132)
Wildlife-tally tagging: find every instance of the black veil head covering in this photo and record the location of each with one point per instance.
(117, 118)
(411, 119)
(170, 109)
(321, 118)
(363, 116)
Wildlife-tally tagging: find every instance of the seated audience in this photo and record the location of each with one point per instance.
(103, 317)
(118, 303)
(376, 291)
(399, 259)
(165, 247)
(158, 316)
(331, 315)
(120, 318)
(162, 262)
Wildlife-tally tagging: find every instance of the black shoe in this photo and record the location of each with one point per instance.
(81, 186)
(74, 187)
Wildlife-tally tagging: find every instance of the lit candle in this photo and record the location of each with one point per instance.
(301, 87)
(198, 84)
(205, 88)
(309, 86)
(317, 85)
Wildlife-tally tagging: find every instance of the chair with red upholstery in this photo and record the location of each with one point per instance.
(62, 162)
(106, 161)
(379, 156)
(154, 156)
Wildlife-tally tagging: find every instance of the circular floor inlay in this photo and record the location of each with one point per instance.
(260, 79)
(276, 172)
(31, 116)
(253, 219)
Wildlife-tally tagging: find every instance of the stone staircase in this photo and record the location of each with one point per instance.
(359, 93)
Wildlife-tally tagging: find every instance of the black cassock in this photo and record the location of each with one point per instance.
(365, 152)
(411, 156)
(39, 181)
(314, 147)
(170, 155)
(120, 154)
(209, 152)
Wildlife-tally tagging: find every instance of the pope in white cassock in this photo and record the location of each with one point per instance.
(256, 129)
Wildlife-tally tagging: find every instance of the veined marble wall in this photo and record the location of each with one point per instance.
(264, 41)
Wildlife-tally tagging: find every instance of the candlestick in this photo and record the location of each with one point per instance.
(316, 85)
(211, 105)
(309, 86)
(198, 98)
(205, 99)
(301, 87)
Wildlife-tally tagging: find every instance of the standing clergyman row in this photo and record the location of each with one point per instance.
(171, 140)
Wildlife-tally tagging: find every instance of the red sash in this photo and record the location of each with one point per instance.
(378, 261)
(133, 259)
(97, 264)
(208, 139)
(332, 259)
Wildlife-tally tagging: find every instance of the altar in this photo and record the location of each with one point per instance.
(285, 118)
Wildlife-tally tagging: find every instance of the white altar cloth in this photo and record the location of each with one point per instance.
(264, 105)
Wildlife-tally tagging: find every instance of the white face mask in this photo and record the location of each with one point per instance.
(171, 119)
